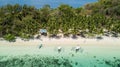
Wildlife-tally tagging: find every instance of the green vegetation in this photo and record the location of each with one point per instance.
(9, 37)
(110, 8)
(92, 19)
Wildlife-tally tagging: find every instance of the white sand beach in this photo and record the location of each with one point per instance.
(65, 41)
(106, 47)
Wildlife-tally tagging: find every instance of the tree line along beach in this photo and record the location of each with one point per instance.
(88, 21)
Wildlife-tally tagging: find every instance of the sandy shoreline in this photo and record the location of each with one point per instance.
(65, 41)
(107, 47)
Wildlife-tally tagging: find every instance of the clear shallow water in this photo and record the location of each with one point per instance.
(52, 3)
(92, 56)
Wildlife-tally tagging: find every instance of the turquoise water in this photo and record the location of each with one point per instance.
(52, 3)
(32, 56)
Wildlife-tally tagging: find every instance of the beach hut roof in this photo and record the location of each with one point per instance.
(43, 31)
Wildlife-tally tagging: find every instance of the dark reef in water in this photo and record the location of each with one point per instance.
(51, 61)
(115, 63)
(112, 63)
(34, 61)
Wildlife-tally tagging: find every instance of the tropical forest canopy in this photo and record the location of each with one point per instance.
(91, 19)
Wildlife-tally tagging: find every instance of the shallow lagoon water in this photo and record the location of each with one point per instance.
(92, 56)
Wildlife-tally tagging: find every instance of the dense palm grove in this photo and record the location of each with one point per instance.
(92, 19)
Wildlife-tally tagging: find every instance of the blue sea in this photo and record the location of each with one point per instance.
(52, 3)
